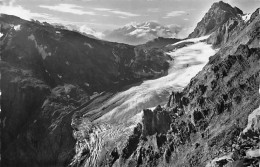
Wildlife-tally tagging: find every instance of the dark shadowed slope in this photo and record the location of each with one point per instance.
(47, 73)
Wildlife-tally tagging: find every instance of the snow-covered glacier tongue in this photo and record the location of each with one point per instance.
(115, 117)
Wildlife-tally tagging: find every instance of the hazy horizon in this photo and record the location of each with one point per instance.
(103, 15)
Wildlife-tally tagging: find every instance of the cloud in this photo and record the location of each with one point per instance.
(9, 7)
(127, 14)
(68, 8)
(174, 14)
(88, 30)
(118, 12)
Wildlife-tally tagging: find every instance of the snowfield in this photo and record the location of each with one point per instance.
(188, 61)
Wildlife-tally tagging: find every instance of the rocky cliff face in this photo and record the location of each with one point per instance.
(47, 73)
(229, 33)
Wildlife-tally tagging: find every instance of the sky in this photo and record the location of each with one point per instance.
(102, 15)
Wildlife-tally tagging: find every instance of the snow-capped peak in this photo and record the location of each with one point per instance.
(139, 33)
(84, 29)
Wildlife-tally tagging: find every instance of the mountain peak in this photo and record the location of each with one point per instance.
(219, 13)
(226, 7)
(221, 4)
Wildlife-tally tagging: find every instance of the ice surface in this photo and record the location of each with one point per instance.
(188, 61)
(195, 40)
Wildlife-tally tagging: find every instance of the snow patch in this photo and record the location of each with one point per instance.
(68, 63)
(87, 84)
(151, 108)
(253, 153)
(246, 17)
(17, 27)
(59, 76)
(253, 119)
(57, 32)
(1, 34)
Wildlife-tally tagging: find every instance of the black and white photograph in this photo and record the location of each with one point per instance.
(130, 83)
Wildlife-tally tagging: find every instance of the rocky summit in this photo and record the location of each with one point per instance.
(68, 99)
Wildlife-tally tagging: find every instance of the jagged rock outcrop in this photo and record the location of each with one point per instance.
(156, 121)
(218, 14)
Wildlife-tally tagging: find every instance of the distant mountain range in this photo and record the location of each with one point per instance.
(140, 33)
(85, 30)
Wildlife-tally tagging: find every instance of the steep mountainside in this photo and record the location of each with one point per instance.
(212, 122)
(47, 73)
(229, 35)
